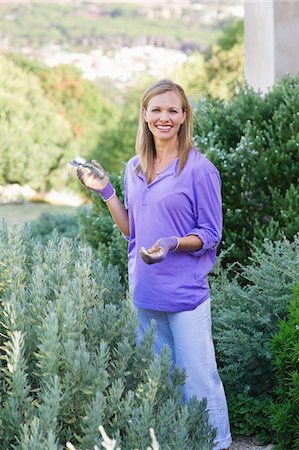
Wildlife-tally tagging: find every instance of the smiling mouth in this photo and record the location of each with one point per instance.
(164, 127)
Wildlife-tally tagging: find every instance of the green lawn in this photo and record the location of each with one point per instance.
(20, 213)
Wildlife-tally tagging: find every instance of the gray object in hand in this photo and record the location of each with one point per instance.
(97, 169)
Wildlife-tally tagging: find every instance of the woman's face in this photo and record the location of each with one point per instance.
(164, 115)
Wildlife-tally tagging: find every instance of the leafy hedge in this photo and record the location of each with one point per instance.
(284, 412)
(253, 139)
(47, 224)
(69, 362)
(98, 230)
(247, 306)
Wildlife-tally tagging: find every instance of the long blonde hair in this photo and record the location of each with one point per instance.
(145, 145)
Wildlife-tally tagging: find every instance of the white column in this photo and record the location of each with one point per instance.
(271, 41)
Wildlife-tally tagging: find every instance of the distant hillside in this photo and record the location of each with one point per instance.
(183, 25)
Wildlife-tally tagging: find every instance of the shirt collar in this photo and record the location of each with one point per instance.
(169, 170)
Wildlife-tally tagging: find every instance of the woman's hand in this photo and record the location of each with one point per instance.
(157, 252)
(93, 177)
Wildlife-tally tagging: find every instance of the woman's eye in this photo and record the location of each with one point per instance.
(173, 111)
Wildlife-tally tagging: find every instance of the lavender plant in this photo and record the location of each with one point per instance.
(69, 361)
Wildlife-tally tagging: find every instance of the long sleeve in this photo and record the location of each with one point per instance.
(208, 211)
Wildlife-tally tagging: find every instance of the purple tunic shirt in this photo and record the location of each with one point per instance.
(188, 204)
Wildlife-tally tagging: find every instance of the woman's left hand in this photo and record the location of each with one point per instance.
(157, 252)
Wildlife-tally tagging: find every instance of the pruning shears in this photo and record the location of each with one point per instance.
(96, 168)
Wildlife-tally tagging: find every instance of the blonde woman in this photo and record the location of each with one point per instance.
(172, 219)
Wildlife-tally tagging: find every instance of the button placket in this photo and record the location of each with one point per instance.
(144, 199)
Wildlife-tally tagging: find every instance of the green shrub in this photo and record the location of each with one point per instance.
(69, 361)
(250, 416)
(115, 253)
(284, 412)
(98, 229)
(253, 140)
(65, 225)
(245, 319)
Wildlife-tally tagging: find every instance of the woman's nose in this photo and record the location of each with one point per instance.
(164, 116)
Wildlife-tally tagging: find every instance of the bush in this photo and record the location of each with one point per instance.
(250, 416)
(245, 319)
(65, 225)
(98, 230)
(69, 361)
(253, 140)
(284, 412)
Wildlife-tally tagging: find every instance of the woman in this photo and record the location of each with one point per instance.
(172, 219)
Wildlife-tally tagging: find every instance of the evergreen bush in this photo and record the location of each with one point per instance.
(253, 139)
(69, 361)
(284, 412)
(250, 416)
(99, 231)
(64, 224)
(247, 307)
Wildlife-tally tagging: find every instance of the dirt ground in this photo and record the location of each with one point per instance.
(248, 444)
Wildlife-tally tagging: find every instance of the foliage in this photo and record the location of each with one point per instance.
(231, 34)
(65, 225)
(218, 76)
(250, 416)
(81, 102)
(246, 315)
(36, 140)
(115, 253)
(88, 111)
(253, 141)
(98, 229)
(284, 412)
(219, 72)
(117, 143)
(110, 444)
(69, 361)
(225, 72)
(78, 100)
(246, 309)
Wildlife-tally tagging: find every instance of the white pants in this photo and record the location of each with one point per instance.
(189, 336)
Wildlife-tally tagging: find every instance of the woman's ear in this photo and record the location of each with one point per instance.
(144, 114)
(184, 115)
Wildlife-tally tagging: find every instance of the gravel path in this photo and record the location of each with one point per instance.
(249, 444)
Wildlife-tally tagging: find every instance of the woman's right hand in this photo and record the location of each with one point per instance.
(91, 179)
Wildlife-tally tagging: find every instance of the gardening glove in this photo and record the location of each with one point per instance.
(94, 177)
(157, 252)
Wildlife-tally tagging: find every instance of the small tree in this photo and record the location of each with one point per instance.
(36, 140)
